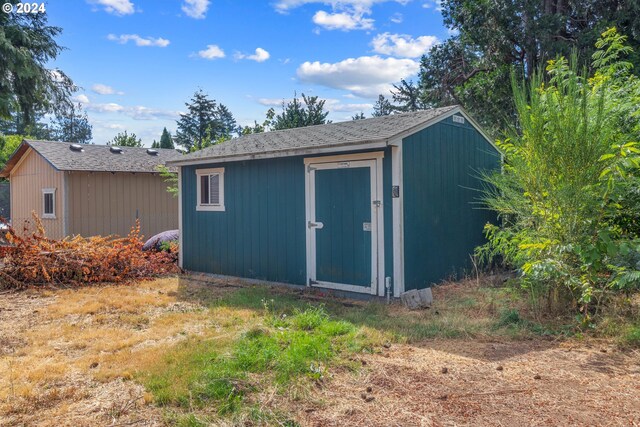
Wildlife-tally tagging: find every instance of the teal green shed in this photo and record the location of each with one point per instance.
(376, 206)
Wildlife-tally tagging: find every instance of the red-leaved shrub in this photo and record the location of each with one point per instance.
(36, 260)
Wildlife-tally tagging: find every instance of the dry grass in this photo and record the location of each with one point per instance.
(74, 357)
(75, 344)
(485, 384)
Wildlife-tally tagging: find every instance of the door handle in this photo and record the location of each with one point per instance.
(317, 225)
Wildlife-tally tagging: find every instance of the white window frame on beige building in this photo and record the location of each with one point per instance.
(51, 191)
(218, 207)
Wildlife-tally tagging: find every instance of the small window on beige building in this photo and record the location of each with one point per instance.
(48, 203)
(210, 189)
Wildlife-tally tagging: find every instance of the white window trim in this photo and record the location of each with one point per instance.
(218, 207)
(53, 192)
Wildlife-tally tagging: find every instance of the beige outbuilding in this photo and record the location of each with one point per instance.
(88, 190)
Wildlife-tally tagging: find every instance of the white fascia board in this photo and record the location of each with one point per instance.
(284, 153)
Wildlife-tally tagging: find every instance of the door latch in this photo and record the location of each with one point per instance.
(377, 203)
(317, 225)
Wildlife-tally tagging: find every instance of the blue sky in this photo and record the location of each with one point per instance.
(138, 61)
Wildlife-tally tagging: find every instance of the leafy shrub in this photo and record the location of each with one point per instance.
(509, 317)
(567, 198)
(36, 260)
(632, 336)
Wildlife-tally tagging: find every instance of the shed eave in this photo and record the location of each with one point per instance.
(364, 145)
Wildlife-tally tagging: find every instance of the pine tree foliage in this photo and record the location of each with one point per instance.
(123, 139)
(299, 113)
(206, 122)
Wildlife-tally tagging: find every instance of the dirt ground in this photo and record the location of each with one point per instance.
(69, 357)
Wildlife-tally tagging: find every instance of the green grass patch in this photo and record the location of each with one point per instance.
(281, 350)
(631, 336)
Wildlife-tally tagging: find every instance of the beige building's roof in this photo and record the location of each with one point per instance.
(64, 156)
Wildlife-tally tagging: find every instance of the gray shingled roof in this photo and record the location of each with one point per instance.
(94, 158)
(288, 141)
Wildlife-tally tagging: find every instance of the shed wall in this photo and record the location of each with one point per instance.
(104, 203)
(443, 219)
(262, 232)
(33, 174)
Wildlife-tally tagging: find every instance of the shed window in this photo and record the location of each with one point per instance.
(210, 189)
(48, 203)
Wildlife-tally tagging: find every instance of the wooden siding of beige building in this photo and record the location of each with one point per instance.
(90, 203)
(28, 179)
(109, 203)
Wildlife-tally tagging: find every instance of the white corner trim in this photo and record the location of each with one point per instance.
(65, 203)
(398, 220)
(180, 239)
(210, 207)
(379, 211)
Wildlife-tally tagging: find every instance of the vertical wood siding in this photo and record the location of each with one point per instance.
(27, 181)
(443, 220)
(104, 203)
(262, 232)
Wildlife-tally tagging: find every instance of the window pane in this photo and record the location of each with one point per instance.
(204, 190)
(214, 189)
(48, 203)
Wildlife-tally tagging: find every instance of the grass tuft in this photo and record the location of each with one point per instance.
(283, 350)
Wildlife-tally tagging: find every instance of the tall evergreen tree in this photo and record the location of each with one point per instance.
(359, 116)
(382, 107)
(165, 140)
(72, 125)
(407, 97)
(227, 121)
(297, 113)
(27, 86)
(204, 124)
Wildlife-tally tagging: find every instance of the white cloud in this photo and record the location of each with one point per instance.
(196, 9)
(211, 52)
(261, 55)
(366, 76)
(403, 45)
(435, 4)
(345, 14)
(101, 89)
(396, 18)
(342, 21)
(82, 98)
(139, 41)
(283, 6)
(115, 7)
(136, 112)
(335, 105)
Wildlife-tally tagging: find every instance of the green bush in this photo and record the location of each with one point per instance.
(632, 336)
(567, 198)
